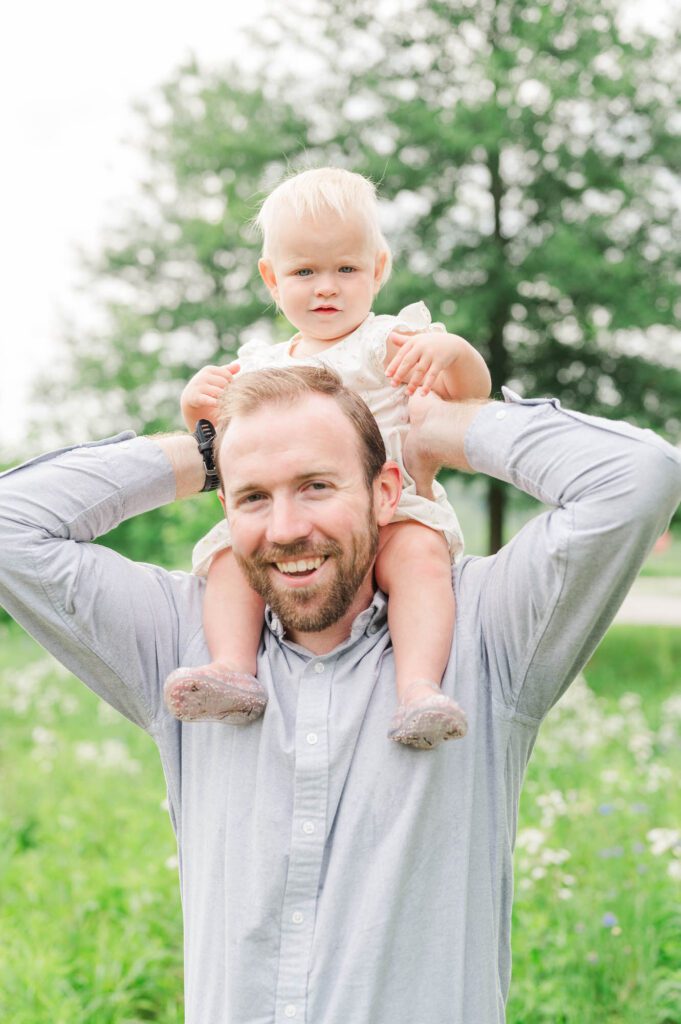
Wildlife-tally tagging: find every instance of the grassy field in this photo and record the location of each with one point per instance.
(90, 917)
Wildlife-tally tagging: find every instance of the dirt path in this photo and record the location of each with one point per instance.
(653, 601)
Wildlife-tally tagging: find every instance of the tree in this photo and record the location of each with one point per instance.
(528, 154)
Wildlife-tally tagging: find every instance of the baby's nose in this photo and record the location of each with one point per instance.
(326, 284)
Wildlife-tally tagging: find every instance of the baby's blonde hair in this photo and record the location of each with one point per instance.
(314, 192)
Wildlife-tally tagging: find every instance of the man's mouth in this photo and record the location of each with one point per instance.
(301, 567)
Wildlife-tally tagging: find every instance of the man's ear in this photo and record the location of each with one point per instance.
(387, 491)
(267, 274)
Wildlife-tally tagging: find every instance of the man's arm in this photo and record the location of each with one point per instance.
(118, 625)
(545, 600)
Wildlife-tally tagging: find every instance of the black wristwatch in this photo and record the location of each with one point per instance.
(205, 435)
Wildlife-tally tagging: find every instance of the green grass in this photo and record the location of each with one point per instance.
(597, 918)
(642, 659)
(90, 914)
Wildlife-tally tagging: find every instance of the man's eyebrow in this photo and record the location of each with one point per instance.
(327, 474)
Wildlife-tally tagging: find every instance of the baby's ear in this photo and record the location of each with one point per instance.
(379, 270)
(269, 277)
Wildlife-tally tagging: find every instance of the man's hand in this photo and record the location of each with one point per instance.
(436, 438)
(201, 396)
(421, 358)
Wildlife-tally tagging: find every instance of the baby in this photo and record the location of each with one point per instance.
(324, 259)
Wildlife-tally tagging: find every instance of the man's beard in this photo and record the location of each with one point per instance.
(311, 609)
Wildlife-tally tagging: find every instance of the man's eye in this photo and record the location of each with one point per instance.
(252, 499)
(318, 485)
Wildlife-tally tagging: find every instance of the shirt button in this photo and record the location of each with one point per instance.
(319, 667)
(312, 738)
(290, 1010)
(501, 415)
(308, 827)
(297, 917)
(373, 629)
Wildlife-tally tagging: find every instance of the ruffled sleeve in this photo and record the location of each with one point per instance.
(255, 354)
(416, 317)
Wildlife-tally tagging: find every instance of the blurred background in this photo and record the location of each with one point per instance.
(528, 156)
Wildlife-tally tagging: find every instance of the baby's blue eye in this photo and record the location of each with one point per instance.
(346, 270)
(305, 272)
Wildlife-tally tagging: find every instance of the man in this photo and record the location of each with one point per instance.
(329, 875)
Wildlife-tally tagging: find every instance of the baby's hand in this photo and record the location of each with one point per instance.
(421, 358)
(201, 395)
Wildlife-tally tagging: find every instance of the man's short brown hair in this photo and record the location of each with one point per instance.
(250, 391)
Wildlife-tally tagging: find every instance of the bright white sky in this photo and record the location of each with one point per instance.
(69, 73)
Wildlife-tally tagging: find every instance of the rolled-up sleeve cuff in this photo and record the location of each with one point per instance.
(490, 437)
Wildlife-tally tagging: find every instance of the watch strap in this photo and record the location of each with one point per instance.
(205, 436)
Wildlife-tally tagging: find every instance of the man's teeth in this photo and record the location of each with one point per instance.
(302, 566)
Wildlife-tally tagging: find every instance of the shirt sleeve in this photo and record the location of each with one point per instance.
(118, 625)
(546, 599)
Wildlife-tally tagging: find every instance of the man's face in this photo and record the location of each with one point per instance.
(303, 521)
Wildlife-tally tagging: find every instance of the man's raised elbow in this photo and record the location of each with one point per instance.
(657, 490)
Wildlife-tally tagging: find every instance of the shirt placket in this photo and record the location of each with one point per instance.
(311, 786)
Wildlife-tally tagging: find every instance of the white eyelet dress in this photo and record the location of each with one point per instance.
(359, 360)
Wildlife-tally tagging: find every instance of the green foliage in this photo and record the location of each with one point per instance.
(528, 156)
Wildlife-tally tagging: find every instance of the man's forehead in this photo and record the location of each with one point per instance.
(309, 431)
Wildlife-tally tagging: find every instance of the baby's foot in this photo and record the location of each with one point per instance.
(426, 717)
(214, 693)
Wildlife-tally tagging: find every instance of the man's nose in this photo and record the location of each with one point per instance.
(287, 522)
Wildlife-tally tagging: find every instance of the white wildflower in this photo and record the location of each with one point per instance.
(671, 708)
(110, 754)
(549, 856)
(662, 840)
(552, 805)
(658, 777)
(531, 840)
(86, 752)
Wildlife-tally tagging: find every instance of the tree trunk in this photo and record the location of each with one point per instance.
(498, 356)
(496, 505)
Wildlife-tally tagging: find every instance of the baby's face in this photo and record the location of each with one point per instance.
(323, 273)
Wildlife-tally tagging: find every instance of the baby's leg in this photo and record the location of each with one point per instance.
(232, 615)
(414, 569)
(226, 689)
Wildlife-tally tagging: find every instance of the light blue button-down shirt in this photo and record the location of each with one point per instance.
(328, 875)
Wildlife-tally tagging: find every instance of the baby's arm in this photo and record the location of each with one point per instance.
(443, 363)
(201, 397)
